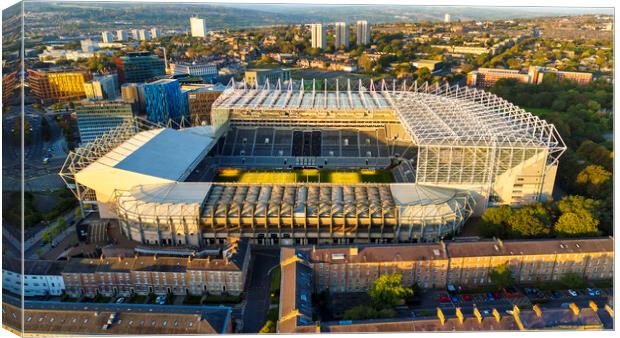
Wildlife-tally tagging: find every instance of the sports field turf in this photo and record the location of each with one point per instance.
(304, 175)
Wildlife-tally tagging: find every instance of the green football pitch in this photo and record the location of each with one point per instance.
(304, 175)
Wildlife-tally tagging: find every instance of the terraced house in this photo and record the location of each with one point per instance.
(160, 275)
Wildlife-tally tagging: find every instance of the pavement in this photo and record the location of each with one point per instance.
(257, 290)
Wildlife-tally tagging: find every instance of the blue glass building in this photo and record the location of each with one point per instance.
(165, 101)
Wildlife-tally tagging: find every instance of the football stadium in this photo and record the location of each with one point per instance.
(303, 163)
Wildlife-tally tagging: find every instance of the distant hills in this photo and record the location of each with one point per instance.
(106, 15)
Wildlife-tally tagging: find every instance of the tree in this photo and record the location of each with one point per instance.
(365, 63)
(572, 280)
(495, 220)
(62, 223)
(530, 221)
(363, 312)
(501, 276)
(593, 175)
(387, 291)
(45, 237)
(576, 225)
(578, 217)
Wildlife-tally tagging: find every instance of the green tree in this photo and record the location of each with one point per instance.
(578, 217)
(387, 291)
(45, 237)
(365, 63)
(530, 221)
(495, 221)
(593, 175)
(572, 280)
(363, 312)
(501, 276)
(62, 223)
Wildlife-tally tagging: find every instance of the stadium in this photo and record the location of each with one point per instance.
(309, 162)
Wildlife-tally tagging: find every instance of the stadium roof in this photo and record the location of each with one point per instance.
(153, 156)
(433, 115)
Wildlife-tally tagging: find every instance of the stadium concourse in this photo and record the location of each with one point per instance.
(452, 152)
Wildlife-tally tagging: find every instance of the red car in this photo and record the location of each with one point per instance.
(444, 299)
(497, 295)
(467, 298)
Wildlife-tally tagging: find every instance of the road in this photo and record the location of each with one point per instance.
(257, 290)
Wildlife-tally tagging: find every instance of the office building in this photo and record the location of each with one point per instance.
(133, 93)
(432, 65)
(144, 35)
(107, 37)
(122, 35)
(9, 84)
(342, 35)
(96, 118)
(200, 101)
(139, 67)
(58, 84)
(102, 87)
(446, 18)
(165, 101)
(363, 33)
(319, 37)
(204, 70)
(258, 77)
(155, 33)
(198, 27)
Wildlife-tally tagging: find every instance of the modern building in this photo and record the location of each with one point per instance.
(122, 35)
(165, 101)
(338, 269)
(97, 118)
(88, 45)
(134, 34)
(107, 36)
(102, 87)
(319, 35)
(51, 318)
(486, 77)
(155, 33)
(198, 27)
(144, 35)
(258, 77)
(124, 276)
(363, 33)
(58, 84)
(204, 70)
(446, 18)
(40, 277)
(139, 67)
(200, 101)
(432, 65)
(133, 93)
(342, 35)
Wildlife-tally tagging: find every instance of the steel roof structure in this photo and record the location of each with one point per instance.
(433, 115)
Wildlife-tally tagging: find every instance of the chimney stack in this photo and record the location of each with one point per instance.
(478, 314)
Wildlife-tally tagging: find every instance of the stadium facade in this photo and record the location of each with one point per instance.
(453, 152)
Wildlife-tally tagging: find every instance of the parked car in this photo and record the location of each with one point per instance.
(573, 293)
(540, 294)
(467, 298)
(444, 299)
(454, 299)
(120, 300)
(490, 297)
(161, 300)
(593, 292)
(511, 292)
(497, 295)
(556, 294)
(486, 312)
(565, 305)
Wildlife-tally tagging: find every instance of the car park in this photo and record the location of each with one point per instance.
(497, 295)
(161, 300)
(556, 294)
(120, 300)
(486, 312)
(593, 292)
(444, 299)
